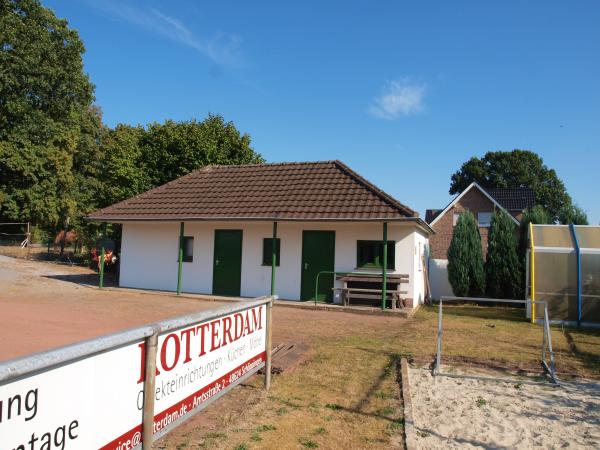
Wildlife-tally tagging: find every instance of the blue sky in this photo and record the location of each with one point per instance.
(403, 92)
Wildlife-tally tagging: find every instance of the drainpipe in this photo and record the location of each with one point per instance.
(578, 256)
(180, 260)
(384, 270)
(273, 257)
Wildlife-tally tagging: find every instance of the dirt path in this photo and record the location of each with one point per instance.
(343, 396)
(43, 309)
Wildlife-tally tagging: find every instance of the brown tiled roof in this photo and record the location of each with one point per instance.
(292, 191)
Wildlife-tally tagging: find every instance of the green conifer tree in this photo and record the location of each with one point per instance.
(502, 266)
(465, 258)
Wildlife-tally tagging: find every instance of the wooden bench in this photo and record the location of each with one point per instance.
(360, 287)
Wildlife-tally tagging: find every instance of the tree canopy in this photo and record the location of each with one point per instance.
(44, 99)
(58, 161)
(517, 168)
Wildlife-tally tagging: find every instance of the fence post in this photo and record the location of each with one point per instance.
(578, 256)
(549, 341)
(151, 343)
(438, 357)
(268, 344)
(28, 240)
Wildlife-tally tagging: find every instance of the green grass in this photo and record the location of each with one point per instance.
(307, 443)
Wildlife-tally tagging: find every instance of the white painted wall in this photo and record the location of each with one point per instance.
(149, 254)
(418, 274)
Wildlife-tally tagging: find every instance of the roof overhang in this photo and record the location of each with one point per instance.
(416, 221)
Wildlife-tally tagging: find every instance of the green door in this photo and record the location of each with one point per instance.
(227, 263)
(318, 254)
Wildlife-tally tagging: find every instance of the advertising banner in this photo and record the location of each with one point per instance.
(97, 402)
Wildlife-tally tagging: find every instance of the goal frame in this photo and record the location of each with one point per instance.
(546, 347)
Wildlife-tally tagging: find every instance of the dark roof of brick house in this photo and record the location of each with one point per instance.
(326, 190)
(431, 214)
(513, 199)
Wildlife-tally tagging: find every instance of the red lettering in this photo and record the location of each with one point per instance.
(257, 318)
(247, 329)
(226, 330)
(239, 325)
(214, 335)
(187, 334)
(163, 352)
(142, 346)
(202, 327)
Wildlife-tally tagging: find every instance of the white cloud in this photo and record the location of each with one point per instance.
(398, 98)
(223, 49)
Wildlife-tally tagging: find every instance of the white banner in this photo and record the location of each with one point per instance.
(97, 402)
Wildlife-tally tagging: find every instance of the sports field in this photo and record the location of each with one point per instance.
(345, 394)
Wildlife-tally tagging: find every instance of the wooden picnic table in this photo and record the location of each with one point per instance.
(371, 293)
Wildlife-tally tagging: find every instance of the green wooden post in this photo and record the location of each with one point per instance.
(384, 269)
(274, 258)
(102, 237)
(180, 260)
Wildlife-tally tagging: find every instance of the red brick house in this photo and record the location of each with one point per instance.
(481, 202)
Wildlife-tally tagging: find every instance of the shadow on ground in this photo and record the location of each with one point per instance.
(86, 279)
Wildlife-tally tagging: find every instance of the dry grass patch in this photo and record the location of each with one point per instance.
(346, 394)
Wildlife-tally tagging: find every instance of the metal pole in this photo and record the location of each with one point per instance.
(103, 236)
(438, 357)
(578, 255)
(268, 344)
(28, 240)
(273, 258)
(550, 350)
(180, 259)
(532, 272)
(149, 388)
(527, 256)
(384, 268)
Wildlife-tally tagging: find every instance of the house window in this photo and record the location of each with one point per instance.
(455, 219)
(484, 219)
(188, 248)
(370, 254)
(267, 258)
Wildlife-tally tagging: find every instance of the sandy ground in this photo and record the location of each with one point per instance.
(467, 413)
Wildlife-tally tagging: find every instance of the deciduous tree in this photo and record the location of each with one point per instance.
(517, 168)
(44, 97)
